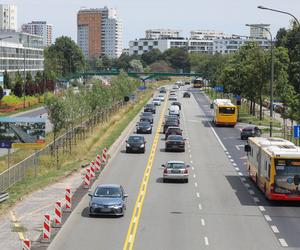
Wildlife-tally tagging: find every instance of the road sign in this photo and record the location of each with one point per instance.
(219, 88)
(5, 144)
(297, 131)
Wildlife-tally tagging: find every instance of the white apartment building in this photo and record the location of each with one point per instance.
(205, 34)
(8, 17)
(19, 48)
(40, 28)
(162, 33)
(112, 31)
(259, 30)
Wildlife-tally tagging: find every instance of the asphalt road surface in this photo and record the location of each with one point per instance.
(215, 210)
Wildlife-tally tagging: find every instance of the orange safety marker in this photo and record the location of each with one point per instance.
(86, 182)
(92, 173)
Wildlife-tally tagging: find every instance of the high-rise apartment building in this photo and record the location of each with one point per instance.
(99, 32)
(8, 17)
(259, 30)
(40, 28)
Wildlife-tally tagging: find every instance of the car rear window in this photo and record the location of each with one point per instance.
(176, 165)
(175, 138)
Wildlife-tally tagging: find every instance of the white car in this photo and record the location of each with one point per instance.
(156, 101)
(177, 170)
(173, 98)
(161, 97)
(175, 87)
(174, 110)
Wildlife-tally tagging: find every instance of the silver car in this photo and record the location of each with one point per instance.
(177, 170)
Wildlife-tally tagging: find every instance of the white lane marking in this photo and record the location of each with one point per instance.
(200, 206)
(189, 145)
(232, 160)
(134, 220)
(247, 185)
(234, 164)
(130, 238)
(237, 169)
(251, 192)
(229, 156)
(196, 184)
(226, 152)
(283, 243)
(189, 151)
(193, 168)
(268, 218)
(256, 199)
(243, 179)
(261, 208)
(203, 222)
(218, 138)
(194, 175)
(239, 146)
(198, 195)
(190, 156)
(241, 174)
(191, 162)
(275, 229)
(206, 241)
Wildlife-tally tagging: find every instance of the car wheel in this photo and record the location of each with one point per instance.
(186, 181)
(183, 150)
(127, 151)
(164, 180)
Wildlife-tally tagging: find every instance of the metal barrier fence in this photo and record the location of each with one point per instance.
(30, 165)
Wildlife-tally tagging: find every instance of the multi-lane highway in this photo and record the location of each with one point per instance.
(214, 210)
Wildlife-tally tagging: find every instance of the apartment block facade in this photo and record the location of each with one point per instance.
(39, 28)
(8, 17)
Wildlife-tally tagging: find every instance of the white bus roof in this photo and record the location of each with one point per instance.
(277, 147)
(223, 102)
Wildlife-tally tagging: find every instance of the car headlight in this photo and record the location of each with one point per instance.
(117, 206)
(127, 145)
(94, 205)
(143, 145)
(148, 128)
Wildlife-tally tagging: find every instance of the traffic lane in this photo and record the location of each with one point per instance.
(284, 215)
(170, 218)
(33, 113)
(83, 232)
(233, 221)
(230, 137)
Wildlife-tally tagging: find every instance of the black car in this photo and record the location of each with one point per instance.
(186, 94)
(108, 199)
(136, 143)
(144, 128)
(173, 131)
(175, 143)
(250, 131)
(162, 90)
(170, 123)
(172, 118)
(177, 104)
(148, 115)
(150, 108)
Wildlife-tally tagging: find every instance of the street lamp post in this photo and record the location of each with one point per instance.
(272, 74)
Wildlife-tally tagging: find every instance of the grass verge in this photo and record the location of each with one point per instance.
(85, 150)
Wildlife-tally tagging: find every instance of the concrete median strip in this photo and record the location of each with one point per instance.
(131, 233)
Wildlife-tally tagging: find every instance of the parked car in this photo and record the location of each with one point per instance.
(136, 143)
(156, 101)
(108, 199)
(173, 131)
(251, 131)
(175, 143)
(170, 123)
(144, 127)
(177, 170)
(186, 95)
(150, 108)
(148, 115)
(176, 104)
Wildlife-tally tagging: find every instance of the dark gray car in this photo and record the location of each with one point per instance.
(108, 199)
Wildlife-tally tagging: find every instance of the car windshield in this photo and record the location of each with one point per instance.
(287, 167)
(175, 138)
(113, 192)
(135, 139)
(149, 106)
(173, 130)
(144, 124)
(147, 114)
(156, 99)
(176, 165)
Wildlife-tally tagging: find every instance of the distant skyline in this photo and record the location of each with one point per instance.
(137, 15)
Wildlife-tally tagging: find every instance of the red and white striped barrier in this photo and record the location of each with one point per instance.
(98, 164)
(92, 172)
(57, 214)
(86, 182)
(68, 205)
(104, 156)
(46, 228)
(26, 245)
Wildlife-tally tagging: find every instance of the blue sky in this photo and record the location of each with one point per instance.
(229, 16)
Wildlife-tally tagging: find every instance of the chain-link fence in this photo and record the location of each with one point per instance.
(30, 165)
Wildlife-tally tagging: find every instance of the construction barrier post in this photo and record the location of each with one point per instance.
(86, 182)
(92, 173)
(26, 245)
(68, 206)
(57, 214)
(98, 164)
(46, 228)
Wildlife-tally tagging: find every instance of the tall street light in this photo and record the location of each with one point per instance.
(272, 73)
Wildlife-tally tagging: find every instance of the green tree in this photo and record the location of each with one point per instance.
(177, 58)
(151, 56)
(6, 80)
(18, 89)
(136, 65)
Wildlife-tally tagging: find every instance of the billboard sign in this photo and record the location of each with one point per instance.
(22, 132)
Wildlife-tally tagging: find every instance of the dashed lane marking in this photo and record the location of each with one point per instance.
(268, 218)
(251, 192)
(237, 169)
(275, 229)
(261, 208)
(256, 200)
(206, 241)
(196, 184)
(283, 243)
(202, 222)
(198, 195)
(239, 173)
(200, 206)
